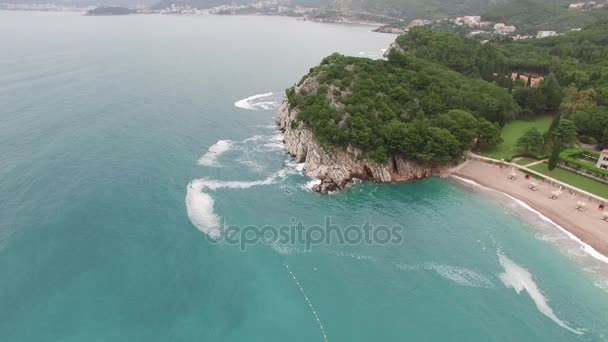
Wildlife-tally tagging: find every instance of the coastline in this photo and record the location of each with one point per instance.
(587, 227)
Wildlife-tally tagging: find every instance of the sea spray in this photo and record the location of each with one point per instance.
(520, 279)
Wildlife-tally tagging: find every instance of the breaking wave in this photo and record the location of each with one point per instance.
(248, 149)
(520, 279)
(214, 152)
(199, 204)
(308, 186)
(587, 249)
(266, 101)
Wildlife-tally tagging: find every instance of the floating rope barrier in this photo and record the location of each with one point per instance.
(312, 308)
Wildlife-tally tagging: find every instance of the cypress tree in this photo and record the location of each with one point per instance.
(554, 123)
(557, 147)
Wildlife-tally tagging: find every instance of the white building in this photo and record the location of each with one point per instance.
(419, 22)
(602, 161)
(503, 29)
(469, 20)
(576, 6)
(543, 34)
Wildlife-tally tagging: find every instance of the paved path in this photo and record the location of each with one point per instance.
(535, 163)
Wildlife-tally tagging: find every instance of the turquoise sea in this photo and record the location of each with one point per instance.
(125, 140)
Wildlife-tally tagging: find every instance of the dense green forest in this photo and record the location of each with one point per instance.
(405, 105)
(440, 92)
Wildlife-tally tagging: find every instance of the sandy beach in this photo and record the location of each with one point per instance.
(586, 225)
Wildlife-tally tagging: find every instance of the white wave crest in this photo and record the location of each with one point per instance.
(214, 152)
(266, 101)
(199, 204)
(584, 247)
(308, 186)
(265, 143)
(519, 279)
(216, 184)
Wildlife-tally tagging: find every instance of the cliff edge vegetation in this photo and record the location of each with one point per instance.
(400, 106)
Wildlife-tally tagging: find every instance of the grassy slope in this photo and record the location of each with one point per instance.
(511, 132)
(574, 179)
(525, 161)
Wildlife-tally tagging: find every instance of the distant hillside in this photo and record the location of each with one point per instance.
(533, 15)
(84, 3)
(410, 9)
(527, 15)
(204, 4)
(111, 10)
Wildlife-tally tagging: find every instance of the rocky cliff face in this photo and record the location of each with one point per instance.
(336, 169)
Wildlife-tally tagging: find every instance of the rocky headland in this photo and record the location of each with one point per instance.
(337, 168)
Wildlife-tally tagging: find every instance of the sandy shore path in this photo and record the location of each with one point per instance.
(587, 226)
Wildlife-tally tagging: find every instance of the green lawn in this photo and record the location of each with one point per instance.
(525, 161)
(582, 182)
(514, 130)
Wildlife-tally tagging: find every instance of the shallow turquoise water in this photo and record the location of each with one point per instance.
(102, 122)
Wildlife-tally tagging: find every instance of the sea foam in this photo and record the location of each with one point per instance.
(519, 279)
(266, 101)
(199, 204)
(214, 152)
(461, 275)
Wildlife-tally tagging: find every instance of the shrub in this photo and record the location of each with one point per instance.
(572, 158)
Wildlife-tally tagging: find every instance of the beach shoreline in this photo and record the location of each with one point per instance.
(585, 226)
